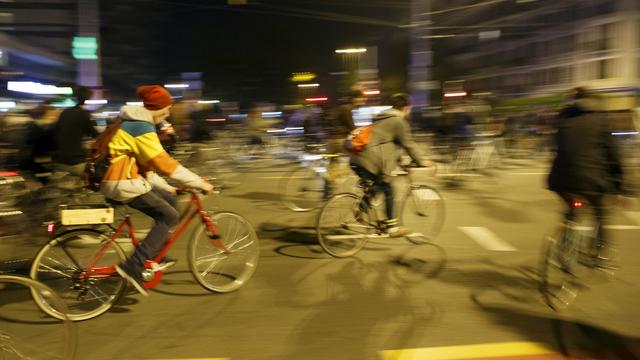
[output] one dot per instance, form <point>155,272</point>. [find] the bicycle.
<point>476,159</point>
<point>58,344</point>
<point>214,162</point>
<point>305,188</point>
<point>348,220</point>
<point>568,254</point>
<point>79,264</point>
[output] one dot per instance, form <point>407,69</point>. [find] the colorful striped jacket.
<point>137,157</point>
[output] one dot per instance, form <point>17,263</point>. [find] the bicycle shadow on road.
<point>573,339</point>
<point>260,198</point>
<point>180,283</point>
<point>16,295</point>
<point>362,307</point>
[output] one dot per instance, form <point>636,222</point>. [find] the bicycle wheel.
<point>302,190</point>
<point>563,262</point>
<point>217,270</point>
<point>61,264</point>
<point>225,173</point>
<point>24,334</point>
<point>423,212</point>
<point>341,227</point>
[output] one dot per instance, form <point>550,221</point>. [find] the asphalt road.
<point>472,293</point>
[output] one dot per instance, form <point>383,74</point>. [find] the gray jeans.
<point>160,205</point>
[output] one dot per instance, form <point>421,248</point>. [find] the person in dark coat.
<point>74,124</point>
<point>587,164</point>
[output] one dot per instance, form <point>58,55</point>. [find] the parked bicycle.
<point>23,334</point>
<point>348,220</point>
<point>80,264</point>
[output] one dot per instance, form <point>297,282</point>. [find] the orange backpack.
<point>358,139</point>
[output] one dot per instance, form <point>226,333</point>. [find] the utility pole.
<point>86,45</point>
<point>421,57</point>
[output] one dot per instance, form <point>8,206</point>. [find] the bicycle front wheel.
<point>62,265</point>
<point>19,338</point>
<point>342,227</point>
<point>219,270</point>
<point>423,213</point>
<point>302,190</point>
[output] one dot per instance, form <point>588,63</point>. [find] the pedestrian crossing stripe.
<point>493,351</point>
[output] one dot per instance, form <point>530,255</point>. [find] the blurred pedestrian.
<point>340,124</point>
<point>73,126</point>
<point>39,142</point>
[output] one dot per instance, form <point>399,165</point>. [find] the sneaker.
<point>394,230</point>
<point>133,276</point>
<point>398,231</point>
<point>165,263</point>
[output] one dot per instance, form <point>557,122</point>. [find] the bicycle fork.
<point>212,232</point>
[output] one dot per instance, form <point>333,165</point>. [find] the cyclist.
<point>587,163</point>
<point>379,158</point>
<point>135,153</point>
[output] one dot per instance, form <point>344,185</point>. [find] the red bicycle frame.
<point>193,208</point>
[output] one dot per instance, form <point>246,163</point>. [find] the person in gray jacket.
<point>379,158</point>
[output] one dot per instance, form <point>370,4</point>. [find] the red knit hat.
<point>154,97</point>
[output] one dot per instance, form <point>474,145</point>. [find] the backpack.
<point>98,161</point>
<point>358,139</point>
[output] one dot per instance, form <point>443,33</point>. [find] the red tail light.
<point>51,228</point>
<point>577,204</point>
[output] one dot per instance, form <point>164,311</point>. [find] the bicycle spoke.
<point>209,258</point>
<point>57,271</point>
<point>64,249</point>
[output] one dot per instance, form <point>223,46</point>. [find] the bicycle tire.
<point>561,267</point>
<point>302,190</point>
<point>424,213</point>
<point>333,226</point>
<point>70,333</point>
<point>70,287</point>
<point>227,276</point>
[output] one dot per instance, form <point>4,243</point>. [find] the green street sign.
<point>84,48</point>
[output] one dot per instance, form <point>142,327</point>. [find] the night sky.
<point>248,52</point>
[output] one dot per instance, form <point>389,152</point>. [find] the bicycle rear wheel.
<point>302,190</point>
<point>423,213</point>
<point>563,263</point>
<point>217,270</point>
<point>342,227</point>
<point>47,338</point>
<point>61,264</point>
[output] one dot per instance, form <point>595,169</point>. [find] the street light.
<point>351,51</point>
<point>176,86</point>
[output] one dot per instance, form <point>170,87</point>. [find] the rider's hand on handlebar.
<point>206,187</point>
<point>429,164</point>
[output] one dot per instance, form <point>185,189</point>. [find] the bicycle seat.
<point>115,202</point>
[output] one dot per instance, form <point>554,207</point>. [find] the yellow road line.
<point>465,352</point>
<point>196,359</point>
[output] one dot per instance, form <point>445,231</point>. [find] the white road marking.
<point>486,238</point>
<point>634,215</point>
<point>622,227</point>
